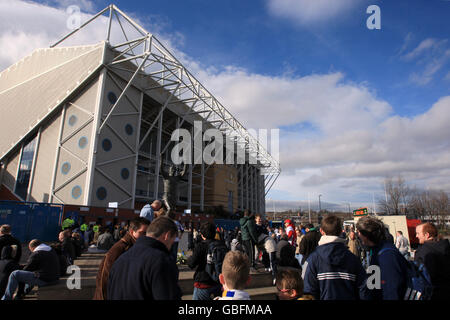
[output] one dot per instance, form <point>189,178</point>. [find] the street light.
<point>320,207</point>
<point>348,203</point>
<point>309,209</point>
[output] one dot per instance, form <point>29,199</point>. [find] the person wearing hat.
<point>290,231</point>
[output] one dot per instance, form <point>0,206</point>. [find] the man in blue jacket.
<point>332,272</point>
<point>383,253</point>
<point>148,211</point>
<point>147,271</point>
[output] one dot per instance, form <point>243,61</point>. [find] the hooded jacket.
<point>45,262</point>
<point>198,260</point>
<point>332,272</point>
<point>248,229</point>
<point>144,272</point>
<point>435,255</point>
<point>393,269</point>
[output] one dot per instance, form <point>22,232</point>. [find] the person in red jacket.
<point>290,231</point>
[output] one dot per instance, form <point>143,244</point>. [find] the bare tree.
<point>440,203</point>
<point>397,196</point>
<point>418,203</point>
<point>430,205</point>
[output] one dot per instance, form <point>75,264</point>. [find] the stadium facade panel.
<point>85,125</point>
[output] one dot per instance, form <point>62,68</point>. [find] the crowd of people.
<point>307,262</point>
<point>327,262</point>
<point>46,263</point>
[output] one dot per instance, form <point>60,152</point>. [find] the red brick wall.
<point>5,194</point>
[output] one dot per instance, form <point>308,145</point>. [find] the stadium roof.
<point>61,70</point>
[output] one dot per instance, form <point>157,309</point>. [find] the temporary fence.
<point>31,220</point>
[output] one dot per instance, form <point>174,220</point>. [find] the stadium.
<point>84,125</point>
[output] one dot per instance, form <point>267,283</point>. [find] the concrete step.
<point>88,263</point>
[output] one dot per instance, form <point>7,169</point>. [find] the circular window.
<point>129,129</point>
<point>125,173</point>
<point>76,192</point>
<point>65,168</point>
<point>112,98</point>
<point>72,120</point>
<point>106,144</point>
<point>101,193</point>
<point>82,143</point>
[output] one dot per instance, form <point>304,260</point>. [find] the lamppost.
<point>320,207</point>
<point>309,209</point>
<point>348,203</point>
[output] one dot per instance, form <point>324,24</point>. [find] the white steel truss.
<point>151,59</point>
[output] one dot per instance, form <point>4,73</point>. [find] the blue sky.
<point>233,32</point>
<point>354,105</point>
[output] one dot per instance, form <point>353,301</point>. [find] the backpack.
<point>418,280</point>
<point>214,259</point>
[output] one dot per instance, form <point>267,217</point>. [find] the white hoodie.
<point>42,247</point>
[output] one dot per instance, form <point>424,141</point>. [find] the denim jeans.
<point>207,294</point>
<point>21,277</point>
<point>299,257</point>
<point>249,251</point>
<point>273,264</point>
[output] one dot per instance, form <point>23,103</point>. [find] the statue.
<point>171,180</point>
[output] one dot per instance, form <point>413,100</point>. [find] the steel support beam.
<point>158,153</point>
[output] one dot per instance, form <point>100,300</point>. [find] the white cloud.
<point>26,26</point>
<point>325,100</point>
<point>307,11</point>
<point>447,76</point>
<point>423,46</point>
<point>431,55</point>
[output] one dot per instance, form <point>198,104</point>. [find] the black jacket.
<point>435,255</point>
<point>45,262</point>
<point>145,272</point>
<point>68,249</point>
<point>280,245</point>
<point>287,256</point>
<point>309,243</point>
<point>8,240</point>
<point>7,265</point>
<point>77,246</point>
<point>198,260</point>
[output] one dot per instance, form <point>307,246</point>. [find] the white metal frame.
<point>150,58</point>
